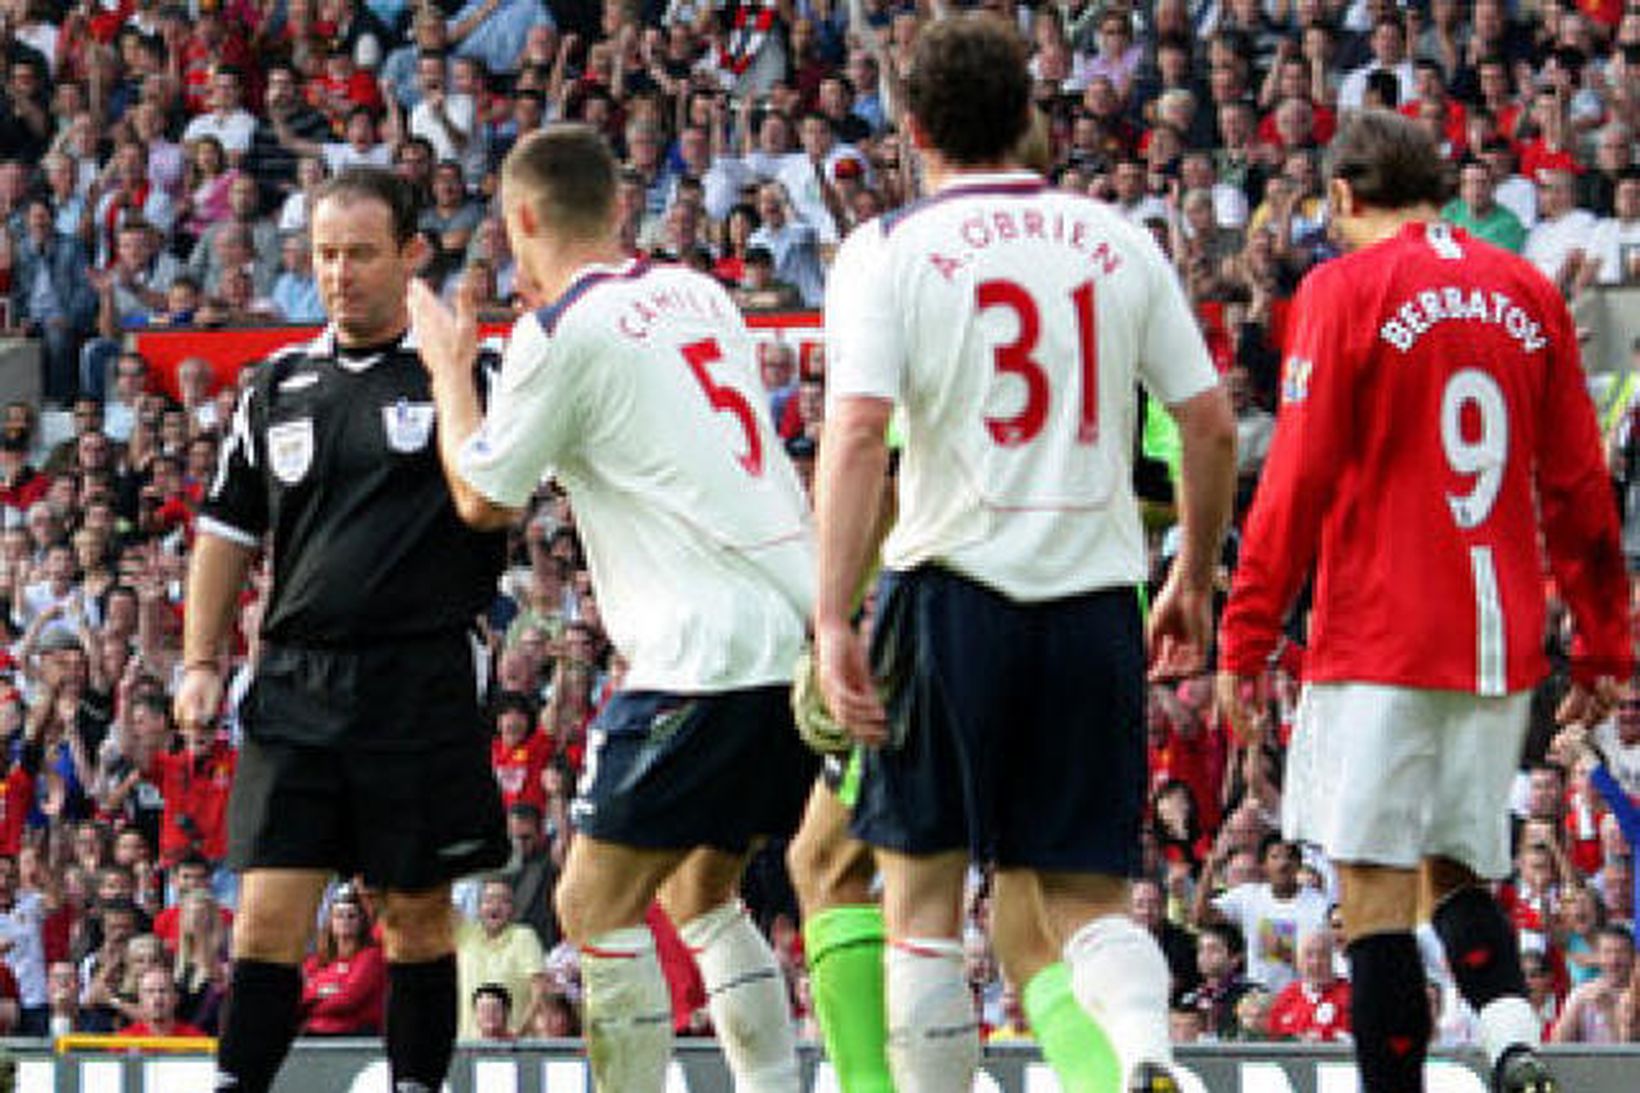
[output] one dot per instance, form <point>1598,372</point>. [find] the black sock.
<point>1389,1012</point>
<point>258,1024</point>
<point>421,1021</point>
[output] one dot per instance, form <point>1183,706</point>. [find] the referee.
<point>365,752</point>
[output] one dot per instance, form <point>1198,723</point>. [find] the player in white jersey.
<point>637,388</point>
<point>1011,323</point>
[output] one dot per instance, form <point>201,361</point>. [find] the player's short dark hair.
<point>360,183</point>
<point>1389,161</point>
<point>567,173</point>
<point>969,88</point>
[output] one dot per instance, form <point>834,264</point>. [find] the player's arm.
<point>1182,618</point>
<point>1580,530</point>
<point>865,356</point>
<point>448,344</point>
<point>848,491</point>
<point>1283,533</point>
<point>1176,369</point>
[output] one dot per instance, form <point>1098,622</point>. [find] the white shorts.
<point>1382,775</point>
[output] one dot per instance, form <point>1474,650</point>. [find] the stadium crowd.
<point>155,165</point>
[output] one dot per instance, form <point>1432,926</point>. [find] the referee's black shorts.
<point>372,762</point>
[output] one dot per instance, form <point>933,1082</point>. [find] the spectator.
<point>295,292</point>
<point>1147,905</point>
<point>520,752</point>
<point>1221,984</point>
<point>1316,1005</point>
<point>269,162</point>
<point>1590,1016</point>
<point>1558,244</point>
<point>1388,55</point>
<point>1614,243</point>
<point>496,949</point>
<point>21,917</point>
<point>65,1015</point>
<point>157,1001</point>
<point>1477,211</point>
<point>793,244</point>
<point>208,179</point>
<point>534,868</point>
<point>52,297</point>
<point>492,1012</point>
<point>344,983</point>
<point>448,120</point>
<point>1271,913</point>
<point>206,259</point>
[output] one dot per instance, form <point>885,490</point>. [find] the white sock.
<point>746,993</point>
<point>1508,1021</point>
<point>933,1030</point>
<point>1119,975</point>
<point>628,1012</point>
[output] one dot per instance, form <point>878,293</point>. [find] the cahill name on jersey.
<point>1011,321</point>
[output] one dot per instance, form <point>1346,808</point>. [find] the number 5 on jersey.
<point>700,356</point>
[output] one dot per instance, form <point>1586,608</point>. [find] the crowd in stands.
<point>156,165</point>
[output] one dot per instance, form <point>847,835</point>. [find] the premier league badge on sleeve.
<point>290,449</point>
<point>409,425</point>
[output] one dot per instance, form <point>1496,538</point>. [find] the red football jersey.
<point>1434,416</point>
<point>518,769</point>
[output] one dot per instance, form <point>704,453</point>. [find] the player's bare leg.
<point>745,989</point>
<point>419,942</point>
<point>1117,972</point>
<point>933,1033</point>
<point>1389,1011</point>
<point>1485,959</point>
<point>1072,1041</point>
<point>843,942</point>
<point>277,908</point>
<point>601,900</point>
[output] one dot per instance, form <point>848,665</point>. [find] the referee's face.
<point>361,270</point>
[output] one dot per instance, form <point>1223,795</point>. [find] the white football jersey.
<point>1010,321</point>
<point>639,390</point>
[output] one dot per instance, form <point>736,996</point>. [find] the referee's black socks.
<point>258,1024</point>
<point>421,1023</point>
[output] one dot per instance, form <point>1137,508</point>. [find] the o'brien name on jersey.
<point>1008,226</point>
<point>1422,311</point>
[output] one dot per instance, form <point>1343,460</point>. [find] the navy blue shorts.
<point>1020,726</point>
<point>669,771</point>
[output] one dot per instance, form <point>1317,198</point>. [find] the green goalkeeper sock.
<point>1072,1042</point>
<point>845,953</point>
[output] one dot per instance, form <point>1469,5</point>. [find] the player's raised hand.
<point>447,340</point>
<point>1589,704</point>
<point>1179,629</point>
<point>847,686</point>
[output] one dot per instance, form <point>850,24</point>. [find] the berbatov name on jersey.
<point>1424,310</point>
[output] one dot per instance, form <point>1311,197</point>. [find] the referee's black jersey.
<point>336,455</point>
